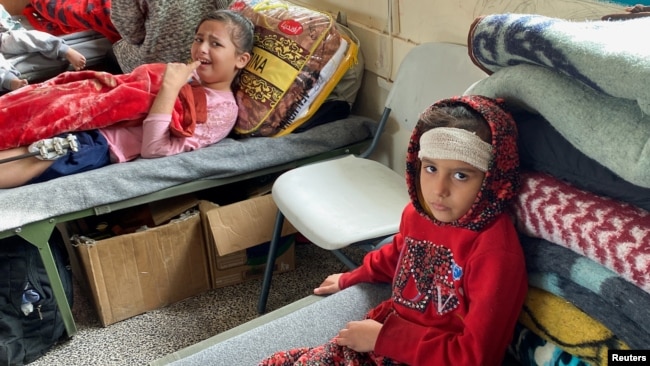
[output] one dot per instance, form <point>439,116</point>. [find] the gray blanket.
<point>612,131</point>
<point>117,182</point>
<point>307,327</point>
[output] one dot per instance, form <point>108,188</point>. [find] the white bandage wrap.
<point>455,144</point>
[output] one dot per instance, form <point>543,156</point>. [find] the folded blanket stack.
<point>608,298</point>
<point>578,91</point>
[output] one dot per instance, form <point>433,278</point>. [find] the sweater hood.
<point>501,182</point>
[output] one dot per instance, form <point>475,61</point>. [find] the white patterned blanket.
<point>588,79</point>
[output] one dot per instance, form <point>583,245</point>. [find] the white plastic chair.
<point>356,200</point>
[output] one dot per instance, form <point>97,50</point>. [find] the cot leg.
<point>270,262</point>
<point>38,234</point>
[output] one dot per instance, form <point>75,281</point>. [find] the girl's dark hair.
<point>457,116</point>
<point>240,28</point>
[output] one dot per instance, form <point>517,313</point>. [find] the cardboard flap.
<point>165,210</point>
<point>244,224</point>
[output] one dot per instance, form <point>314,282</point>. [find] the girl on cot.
<point>456,265</point>
<point>222,46</point>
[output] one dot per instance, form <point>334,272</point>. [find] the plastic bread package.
<point>298,57</point>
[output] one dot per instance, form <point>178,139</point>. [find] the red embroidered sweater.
<point>456,296</point>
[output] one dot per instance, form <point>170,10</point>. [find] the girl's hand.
<point>360,336</point>
<point>329,286</point>
<point>177,74</point>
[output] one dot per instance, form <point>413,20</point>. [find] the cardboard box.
<point>165,210</point>
<point>255,266</point>
<point>131,274</point>
<point>134,273</point>
<point>232,232</point>
<point>241,225</point>
<point>231,260</point>
<point>110,223</point>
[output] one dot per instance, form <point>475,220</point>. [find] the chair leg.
<point>345,259</point>
<point>270,262</point>
<point>368,246</point>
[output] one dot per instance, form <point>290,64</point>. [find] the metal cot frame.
<point>38,233</point>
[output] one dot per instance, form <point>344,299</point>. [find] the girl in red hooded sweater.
<point>456,266</point>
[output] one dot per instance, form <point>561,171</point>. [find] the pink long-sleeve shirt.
<point>153,138</point>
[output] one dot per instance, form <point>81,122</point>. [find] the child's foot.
<point>17,83</point>
<point>76,59</point>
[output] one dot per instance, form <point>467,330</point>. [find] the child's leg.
<point>23,41</point>
<point>328,354</point>
<point>19,172</point>
<point>17,83</point>
<point>92,153</point>
<point>17,42</point>
<point>9,79</point>
<point>9,76</point>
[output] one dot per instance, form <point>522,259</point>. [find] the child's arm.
<point>176,75</point>
<point>156,139</point>
<point>378,265</point>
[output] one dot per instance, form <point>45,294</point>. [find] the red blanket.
<point>84,100</point>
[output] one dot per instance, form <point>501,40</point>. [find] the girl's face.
<point>449,187</point>
<point>218,55</point>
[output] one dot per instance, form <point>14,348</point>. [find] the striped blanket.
<point>611,233</point>
<point>604,295</point>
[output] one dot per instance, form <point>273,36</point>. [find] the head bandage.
<point>455,144</point>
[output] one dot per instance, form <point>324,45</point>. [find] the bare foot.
<point>76,59</point>
<point>17,83</point>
